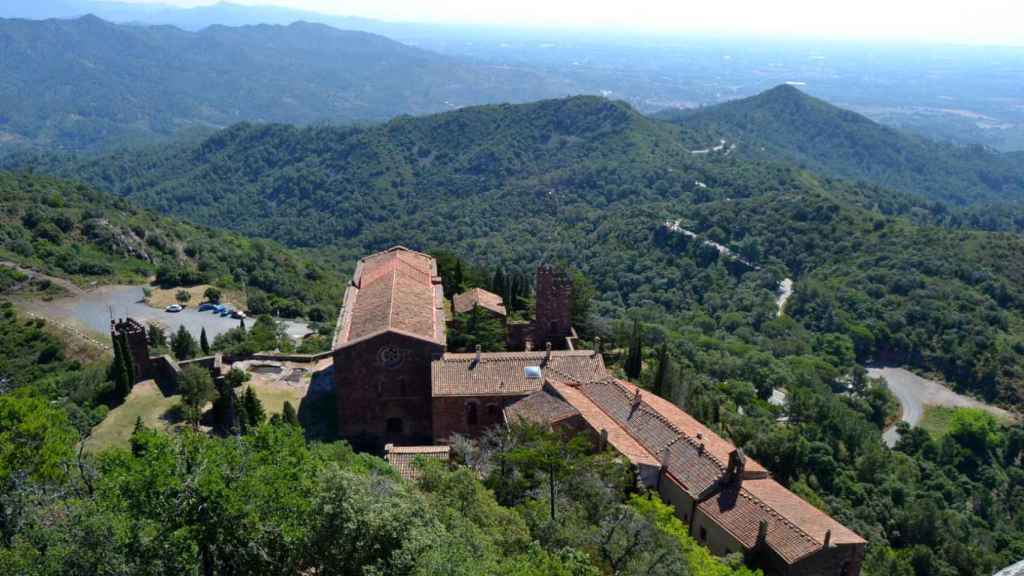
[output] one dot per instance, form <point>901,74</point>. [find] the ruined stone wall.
<point>134,335</point>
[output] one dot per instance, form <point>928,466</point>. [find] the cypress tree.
<point>634,360</point>
<point>498,284</point>
<point>120,369</point>
<point>663,377</point>
<point>203,342</point>
<point>289,415</point>
<point>254,413</point>
<point>129,366</point>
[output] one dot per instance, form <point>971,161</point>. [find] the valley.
<point>494,330</point>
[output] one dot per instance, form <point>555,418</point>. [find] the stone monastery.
<point>400,392</point>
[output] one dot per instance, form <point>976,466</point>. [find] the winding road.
<point>916,393</point>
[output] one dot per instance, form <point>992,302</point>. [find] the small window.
<point>472,418</point>
<point>394,426</point>
<point>703,534</point>
<point>492,411</point>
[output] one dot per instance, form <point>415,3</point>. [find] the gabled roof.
<point>599,420</point>
<point>396,290</point>
<point>402,457</point>
<point>463,303</point>
<point>503,373</point>
<point>648,429</point>
<point>795,528</point>
<point>715,446</point>
<point>541,407</point>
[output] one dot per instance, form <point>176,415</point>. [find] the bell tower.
<point>553,321</point>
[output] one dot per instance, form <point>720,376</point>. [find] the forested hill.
<point>786,124</point>
<point>87,83</point>
<point>69,230</point>
<point>592,182</point>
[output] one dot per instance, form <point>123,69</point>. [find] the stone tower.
<point>134,335</point>
<point>553,322</point>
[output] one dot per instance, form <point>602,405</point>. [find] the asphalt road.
<point>916,393</point>
<point>92,311</point>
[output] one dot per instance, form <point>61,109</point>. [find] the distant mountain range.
<point>786,124</point>
<point>87,83</point>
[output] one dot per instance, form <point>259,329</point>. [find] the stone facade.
<point>468,415</point>
<point>383,390</point>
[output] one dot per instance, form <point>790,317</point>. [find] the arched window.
<point>472,418</point>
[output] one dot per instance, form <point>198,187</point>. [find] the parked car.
<point>219,309</point>
<point>226,312</point>
<point>238,315</point>
<point>174,308</point>
<point>207,306</point>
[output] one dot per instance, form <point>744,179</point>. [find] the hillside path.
<point>64,283</point>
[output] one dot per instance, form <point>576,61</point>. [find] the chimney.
<point>828,539</point>
<point>597,345</point>
<point>637,398</point>
<point>547,352</point>
<point>664,458</point>
<point>604,439</point>
<point>762,533</point>
<point>476,359</point>
<point>528,345</point>
<point>736,467</point>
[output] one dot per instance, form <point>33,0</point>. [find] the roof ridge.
<point>775,513</point>
<point>661,417</point>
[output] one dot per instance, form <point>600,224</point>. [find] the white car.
<point>174,308</point>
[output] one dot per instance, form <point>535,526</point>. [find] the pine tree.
<point>634,360</point>
<point>183,344</point>
<point>289,416</point>
<point>254,413</point>
<point>203,342</point>
<point>225,410</point>
<point>663,377</point>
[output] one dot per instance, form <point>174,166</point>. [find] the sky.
<point>942,21</point>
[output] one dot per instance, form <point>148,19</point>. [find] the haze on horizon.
<point>983,22</point>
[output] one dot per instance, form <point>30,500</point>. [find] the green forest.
<point>591,182</point>
<point>70,230</point>
<point>785,124</point>
<point>879,276</point>
<point>90,84</point>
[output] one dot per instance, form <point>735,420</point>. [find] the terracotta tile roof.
<point>715,446</point>
<point>690,468</point>
<point>502,373</point>
<point>403,457</point>
<point>811,520</point>
<point>395,290</point>
<point>541,407</point>
<point>648,428</point>
<point>465,302</point>
<point>795,528</point>
<point>599,420</point>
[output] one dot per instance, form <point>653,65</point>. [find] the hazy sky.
<point>973,21</point>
